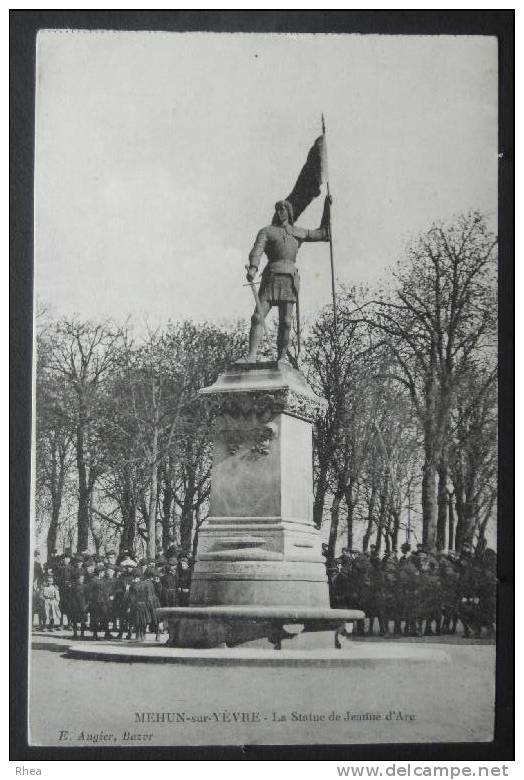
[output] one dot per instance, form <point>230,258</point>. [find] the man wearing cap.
<point>280,282</point>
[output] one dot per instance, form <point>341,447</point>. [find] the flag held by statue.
<point>310,179</point>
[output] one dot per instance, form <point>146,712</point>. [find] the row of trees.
<point>407,445</point>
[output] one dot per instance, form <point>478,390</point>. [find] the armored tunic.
<point>280,278</point>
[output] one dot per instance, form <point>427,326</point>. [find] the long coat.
<point>78,603</point>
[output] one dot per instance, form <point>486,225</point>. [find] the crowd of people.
<point>417,593</point>
<point>414,594</point>
<point>108,595</point>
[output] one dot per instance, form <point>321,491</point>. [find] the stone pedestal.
<point>259,545</point>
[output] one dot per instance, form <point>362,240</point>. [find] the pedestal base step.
<point>358,654</point>
<point>216,626</point>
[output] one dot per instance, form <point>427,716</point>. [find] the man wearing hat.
<point>280,282</point>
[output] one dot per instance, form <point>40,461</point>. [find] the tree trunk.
<point>52,533</point>
<point>198,523</point>
<point>320,496</point>
<point>382,512</point>
<point>451,522</point>
<point>151,524</point>
<point>442,502</point>
<point>167,503</point>
<point>83,489</point>
<point>333,528</point>
<point>484,522</point>
<point>371,509</point>
<point>458,483</point>
<point>56,503</point>
<point>429,507</point>
<point>431,458</point>
<point>127,538</point>
<point>97,538</point>
<point>396,528</point>
<point>378,538</point>
<point>350,503</point>
<point>468,526</point>
<point>186,520</point>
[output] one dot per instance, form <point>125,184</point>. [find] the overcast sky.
<point>159,156</point>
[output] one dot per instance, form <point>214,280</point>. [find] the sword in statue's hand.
<point>257,300</point>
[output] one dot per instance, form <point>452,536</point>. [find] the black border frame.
<point>24,26</point>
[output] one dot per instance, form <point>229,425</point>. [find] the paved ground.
<point>96,702</point>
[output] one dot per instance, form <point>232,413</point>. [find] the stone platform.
<point>356,654</point>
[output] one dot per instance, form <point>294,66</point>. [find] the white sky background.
<point>160,155</point>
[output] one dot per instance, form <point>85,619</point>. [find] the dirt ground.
<point>82,703</point>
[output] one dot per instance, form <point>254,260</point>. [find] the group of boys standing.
<point>418,592</point>
<point>109,594</point>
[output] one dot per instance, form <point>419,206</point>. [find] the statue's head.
<point>283,213</point>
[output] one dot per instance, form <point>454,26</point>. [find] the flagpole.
<point>333,291</point>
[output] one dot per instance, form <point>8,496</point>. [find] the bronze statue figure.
<point>280,281</point>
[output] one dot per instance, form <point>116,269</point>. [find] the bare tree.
<point>474,454</point>
<point>440,314</point>
<point>82,355</point>
<point>54,436</point>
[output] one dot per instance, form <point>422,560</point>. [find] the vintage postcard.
<point>264,499</point>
